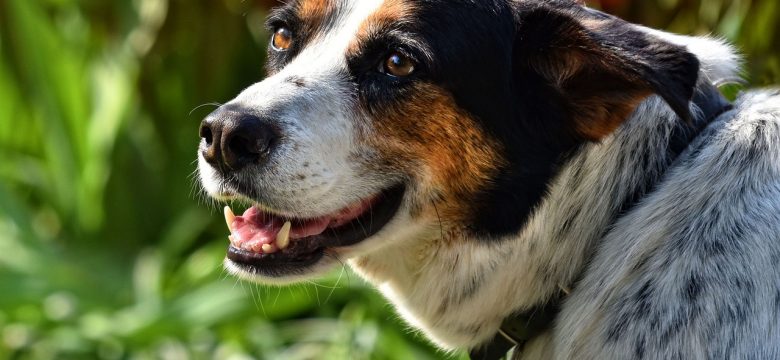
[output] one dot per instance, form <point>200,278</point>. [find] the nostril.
<point>205,134</point>
<point>249,147</point>
<point>251,140</point>
<point>242,147</point>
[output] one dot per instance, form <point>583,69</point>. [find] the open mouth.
<point>274,245</point>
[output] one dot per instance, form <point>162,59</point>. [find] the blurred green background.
<point>108,251</point>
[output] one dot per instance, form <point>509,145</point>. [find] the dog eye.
<point>282,39</point>
<point>398,65</point>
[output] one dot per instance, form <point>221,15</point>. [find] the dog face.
<point>383,122</point>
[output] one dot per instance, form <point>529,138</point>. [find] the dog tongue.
<point>262,232</point>
<point>258,231</point>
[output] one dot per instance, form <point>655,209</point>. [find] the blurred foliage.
<point>752,25</point>
<point>105,251</point>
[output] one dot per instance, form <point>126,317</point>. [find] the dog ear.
<point>602,67</point>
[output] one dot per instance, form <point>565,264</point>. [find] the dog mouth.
<point>267,243</point>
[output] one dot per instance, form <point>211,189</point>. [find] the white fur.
<point>310,174</point>
<point>728,67</point>
<point>726,178</point>
<point>417,275</point>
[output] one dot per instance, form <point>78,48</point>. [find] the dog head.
<point>385,121</point>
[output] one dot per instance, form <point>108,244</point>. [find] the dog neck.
<point>459,290</point>
<point>520,328</point>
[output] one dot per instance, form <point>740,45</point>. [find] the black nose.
<point>235,139</point>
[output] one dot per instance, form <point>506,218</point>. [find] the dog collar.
<point>518,329</point>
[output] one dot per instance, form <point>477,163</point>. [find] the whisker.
<point>316,286</point>
<point>333,289</point>
<point>308,294</point>
<point>259,298</point>
<point>278,294</point>
<point>344,268</point>
<point>202,105</point>
<point>441,227</point>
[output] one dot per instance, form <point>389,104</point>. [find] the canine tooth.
<point>232,239</point>
<point>269,249</point>
<point>283,238</point>
<point>229,216</point>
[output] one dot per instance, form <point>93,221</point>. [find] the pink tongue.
<point>254,228</point>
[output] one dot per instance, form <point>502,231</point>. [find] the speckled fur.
<point>691,272</point>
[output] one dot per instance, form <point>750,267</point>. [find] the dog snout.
<point>235,139</point>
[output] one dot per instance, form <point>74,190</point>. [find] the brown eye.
<point>398,65</point>
<point>282,39</point>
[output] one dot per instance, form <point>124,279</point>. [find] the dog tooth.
<point>283,238</point>
<point>229,216</point>
<point>269,249</point>
<point>232,239</point>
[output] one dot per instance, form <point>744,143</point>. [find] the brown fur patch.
<point>314,13</point>
<point>392,12</point>
<point>600,94</point>
<point>444,150</point>
<point>314,9</point>
<point>602,67</point>
<point>602,101</point>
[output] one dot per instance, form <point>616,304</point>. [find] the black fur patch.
<point>693,288</point>
<point>777,300</point>
<point>640,347</point>
<point>525,112</point>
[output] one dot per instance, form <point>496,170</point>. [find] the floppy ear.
<point>602,67</point>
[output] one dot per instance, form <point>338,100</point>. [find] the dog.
<point>511,173</point>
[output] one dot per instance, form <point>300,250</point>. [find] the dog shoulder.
<point>696,259</point>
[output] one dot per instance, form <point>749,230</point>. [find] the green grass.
<point>105,250</point>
